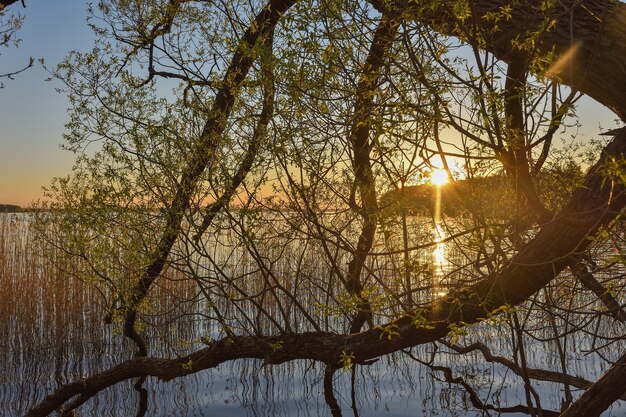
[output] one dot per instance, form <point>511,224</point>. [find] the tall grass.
<point>52,331</point>
<point>38,303</point>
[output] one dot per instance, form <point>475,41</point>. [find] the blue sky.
<point>33,114</point>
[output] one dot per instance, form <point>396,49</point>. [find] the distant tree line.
<point>10,208</point>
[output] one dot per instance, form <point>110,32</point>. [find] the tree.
<point>330,104</point>
<point>6,3</point>
<point>8,29</point>
<point>591,34</point>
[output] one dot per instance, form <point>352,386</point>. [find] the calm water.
<point>52,332</point>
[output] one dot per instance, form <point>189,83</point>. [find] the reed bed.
<point>53,331</point>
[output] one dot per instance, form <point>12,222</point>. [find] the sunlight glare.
<point>563,62</point>
<point>439,254</point>
<point>439,177</point>
<point>439,260</point>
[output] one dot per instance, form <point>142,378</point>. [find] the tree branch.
<point>588,39</point>
<point>598,201</point>
<point>582,273</point>
<point>601,394</point>
<point>260,133</point>
<point>475,399</point>
<point>366,91</point>
<point>201,155</point>
<point>6,3</point>
<point>533,373</point>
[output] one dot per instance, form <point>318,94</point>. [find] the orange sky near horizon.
<point>33,114</point>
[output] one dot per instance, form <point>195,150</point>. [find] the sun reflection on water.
<point>439,259</point>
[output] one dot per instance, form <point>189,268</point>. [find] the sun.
<point>439,177</point>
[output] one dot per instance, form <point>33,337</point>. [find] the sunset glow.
<point>439,177</point>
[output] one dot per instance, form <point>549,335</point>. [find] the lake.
<point>52,332</point>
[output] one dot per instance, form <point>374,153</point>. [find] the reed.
<point>52,327</point>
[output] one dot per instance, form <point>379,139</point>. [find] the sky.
<point>33,114</point>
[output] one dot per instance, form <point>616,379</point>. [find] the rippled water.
<point>52,332</point>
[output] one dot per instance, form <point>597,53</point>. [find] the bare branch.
<point>535,265</point>
<point>537,374</point>
<point>582,273</point>
<point>202,155</point>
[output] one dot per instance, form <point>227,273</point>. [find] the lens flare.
<point>439,177</point>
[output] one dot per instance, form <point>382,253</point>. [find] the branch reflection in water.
<point>51,332</point>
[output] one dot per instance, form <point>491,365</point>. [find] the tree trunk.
<point>592,206</point>
<point>366,91</point>
<point>601,394</point>
<point>5,3</point>
<point>587,39</point>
